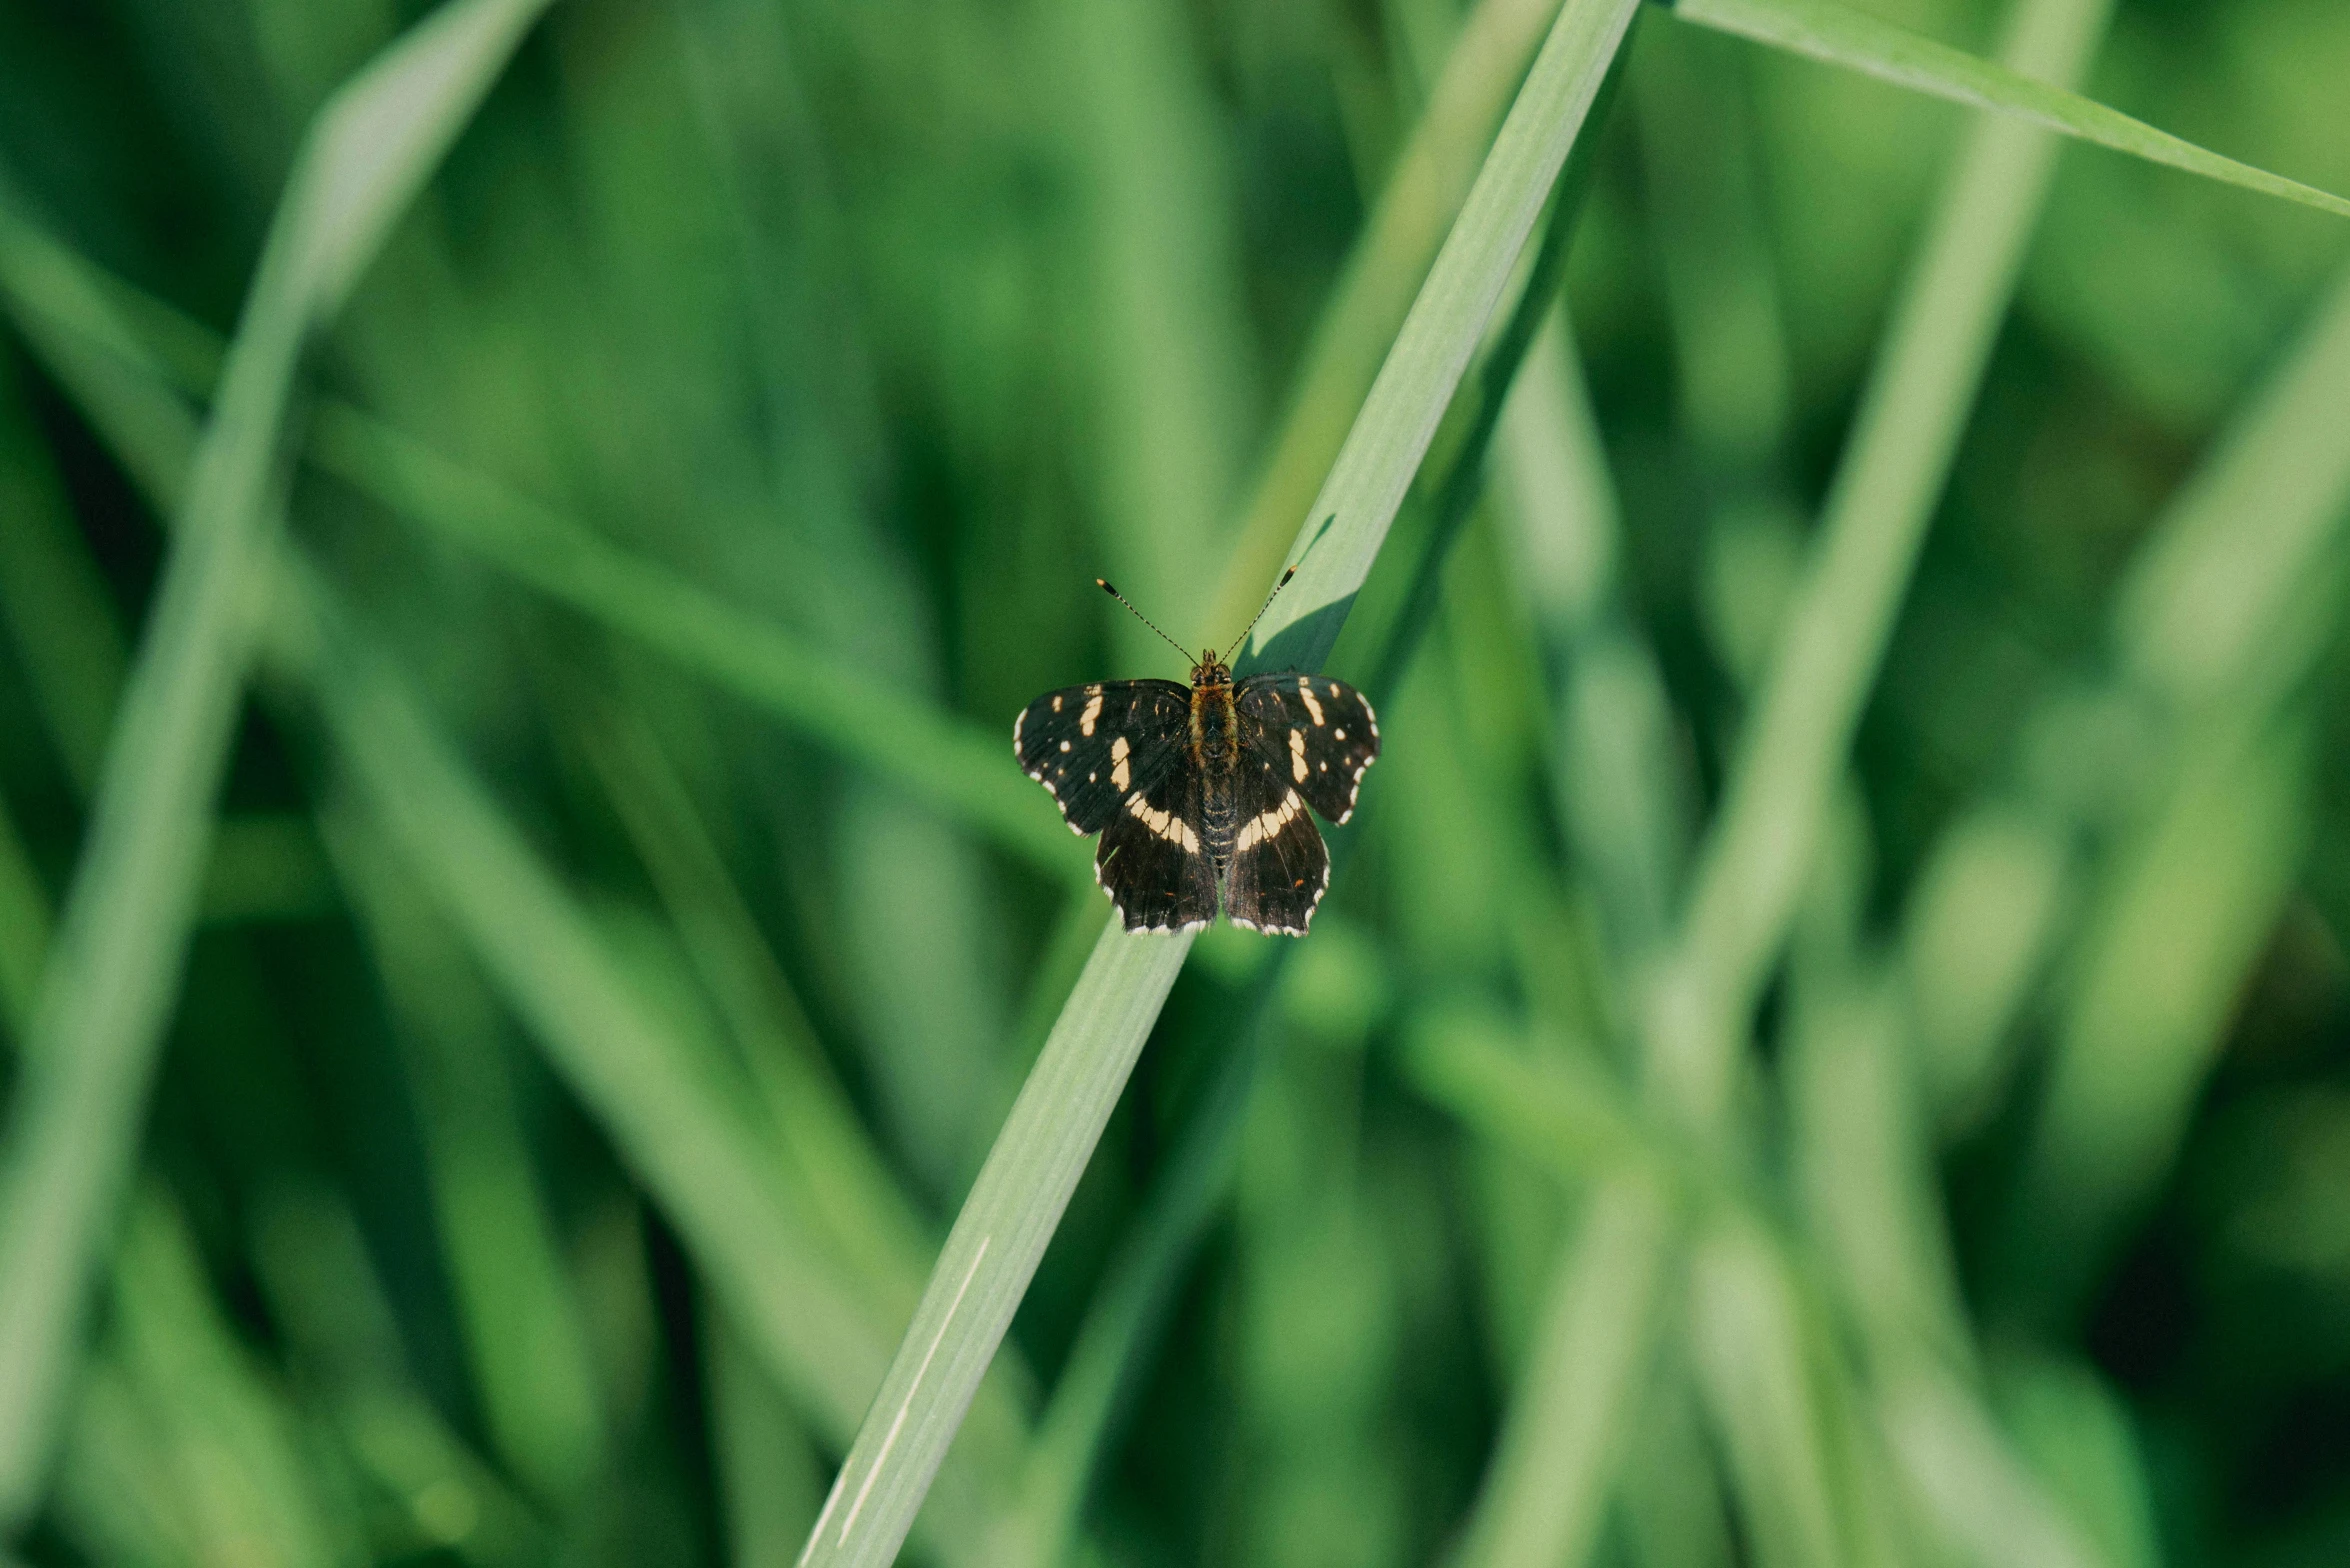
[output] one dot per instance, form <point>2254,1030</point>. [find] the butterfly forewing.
<point>1151,860</point>
<point>1314,733</point>
<point>1092,746</point>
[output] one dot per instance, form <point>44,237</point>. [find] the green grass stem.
<point>678,1124</point>
<point>123,932</point>
<point>1862,43</point>
<point>954,765</point>
<point>151,430</point>
<point>1758,850</point>
<point>1417,204</point>
<point>1026,1182</point>
<point>2212,616</point>
<point>527,1344</point>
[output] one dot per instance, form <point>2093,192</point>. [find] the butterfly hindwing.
<point>1316,734</point>
<point>1092,746</point>
<point>1279,867</point>
<point>1151,860</point>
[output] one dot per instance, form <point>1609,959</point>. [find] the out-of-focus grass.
<point>1019,1194</point>
<point>624,929</point>
<point>123,931</point>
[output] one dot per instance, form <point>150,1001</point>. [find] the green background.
<point>887,327</point>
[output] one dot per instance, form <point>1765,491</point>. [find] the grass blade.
<point>501,1251</point>
<point>948,762</point>
<point>1546,1488</point>
<point>2181,924</point>
<point>2204,622</point>
<point>123,933</point>
<point>1431,179</point>
<point>1757,853</point>
<point>1752,1359</point>
<point>678,1130</point>
<point>1862,43</point>
<point>1021,1191</point>
<point>150,430</point>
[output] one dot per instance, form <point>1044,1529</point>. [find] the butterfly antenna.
<point>1240,640</point>
<point>1138,615</point>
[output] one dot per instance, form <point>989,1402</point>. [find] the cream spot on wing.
<point>1064,745</point>
<point>1338,734</point>
<point>1056,703</point>
<point>1259,828</point>
<point>1305,689</point>
<point>1164,823</point>
<point>1093,711</point>
<point>1297,755</point>
<point>1118,750</point>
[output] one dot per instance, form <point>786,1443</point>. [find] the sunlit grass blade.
<point>1021,1191</point>
<point>123,932</point>
<point>2207,603</point>
<point>1614,793</point>
<point>1863,43</point>
<point>1863,1174</point>
<point>1968,1480</point>
<point>1128,1308</point>
<point>768,1472</point>
<point>234,1467</point>
<point>1424,191</point>
<point>1752,1358</point>
<point>334,1320</point>
<point>2076,1432</point>
<point>1614,786</point>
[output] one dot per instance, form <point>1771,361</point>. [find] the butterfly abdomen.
<point>1215,750</point>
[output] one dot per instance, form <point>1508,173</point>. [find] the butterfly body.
<point>1200,792</point>
<point>1215,751</point>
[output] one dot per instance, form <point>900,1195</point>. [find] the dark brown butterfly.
<point>1201,788</point>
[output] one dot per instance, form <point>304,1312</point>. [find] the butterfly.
<point>1202,790</point>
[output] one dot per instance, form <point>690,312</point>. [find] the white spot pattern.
<point>1093,711</point>
<point>1165,824</point>
<point>1119,747</point>
<point>1297,755</point>
<point>1305,689</point>
<point>1259,828</point>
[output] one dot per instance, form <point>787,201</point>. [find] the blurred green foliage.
<point>625,930</point>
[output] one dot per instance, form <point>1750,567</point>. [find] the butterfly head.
<point>1210,671</point>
